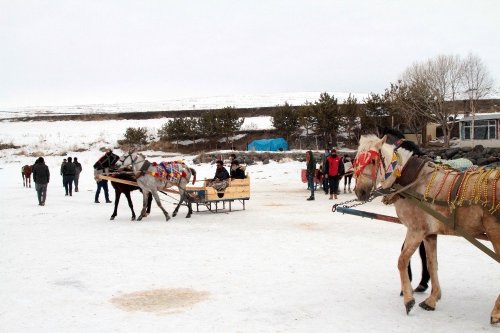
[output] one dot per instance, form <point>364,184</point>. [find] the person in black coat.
<point>221,177</point>
<point>41,176</point>
<point>236,171</point>
<point>221,172</point>
<point>68,172</point>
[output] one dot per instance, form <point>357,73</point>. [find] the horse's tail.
<point>193,172</point>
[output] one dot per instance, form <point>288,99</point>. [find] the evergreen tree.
<point>307,118</point>
<point>228,122</point>
<point>328,117</point>
<point>350,113</point>
<point>374,114</point>
<point>286,120</point>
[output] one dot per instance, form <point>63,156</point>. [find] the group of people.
<point>221,178</point>
<point>332,168</point>
<point>70,172</point>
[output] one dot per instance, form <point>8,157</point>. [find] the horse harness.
<point>409,176</point>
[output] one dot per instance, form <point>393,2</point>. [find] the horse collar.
<point>145,166</point>
<point>411,170</point>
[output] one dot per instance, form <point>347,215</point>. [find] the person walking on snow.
<point>41,177</point>
<point>69,171</point>
<point>78,169</point>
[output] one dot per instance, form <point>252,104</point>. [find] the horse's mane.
<point>394,135</point>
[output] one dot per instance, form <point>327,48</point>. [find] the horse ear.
<point>380,143</point>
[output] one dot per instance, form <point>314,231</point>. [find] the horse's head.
<point>129,159</point>
<point>368,165</point>
<point>378,162</point>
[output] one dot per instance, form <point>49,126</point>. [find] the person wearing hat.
<point>41,176</point>
<point>334,170</point>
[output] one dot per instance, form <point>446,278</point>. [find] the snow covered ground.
<point>282,265</point>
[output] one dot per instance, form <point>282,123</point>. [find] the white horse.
<point>149,183</point>
<point>472,197</point>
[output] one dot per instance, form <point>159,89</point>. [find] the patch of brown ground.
<point>309,226</point>
<point>160,301</point>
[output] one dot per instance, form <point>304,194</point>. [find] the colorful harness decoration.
<point>464,188</point>
<point>169,171</point>
<point>394,168</point>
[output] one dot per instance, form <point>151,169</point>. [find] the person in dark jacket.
<point>62,165</point>
<point>78,168</point>
<point>324,156</point>
<point>310,172</point>
<point>236,171</point>
<point>69,171</point>
<point>41,176</point>
<point>220,180</point>
<point>102,166</point>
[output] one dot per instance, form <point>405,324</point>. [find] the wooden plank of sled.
<point>117,180</point>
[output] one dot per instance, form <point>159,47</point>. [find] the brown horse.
<point>26,173</point>
<point>474,201</point>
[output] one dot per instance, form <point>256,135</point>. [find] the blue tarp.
<point>268,145</point>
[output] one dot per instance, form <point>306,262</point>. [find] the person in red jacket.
<point>334,169</point>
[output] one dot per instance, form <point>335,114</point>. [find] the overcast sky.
<point>64,52</point>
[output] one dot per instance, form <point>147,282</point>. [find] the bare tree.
<point>408,103</point>
<point>440,80</point>
<point>476,80</point>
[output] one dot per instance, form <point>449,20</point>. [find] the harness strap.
<point>145,166</point>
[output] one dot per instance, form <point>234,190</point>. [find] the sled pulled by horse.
<point>156,177</point>
<point>206,195</point>
<point>430,199</point>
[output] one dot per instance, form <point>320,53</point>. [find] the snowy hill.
<point>194,103</point>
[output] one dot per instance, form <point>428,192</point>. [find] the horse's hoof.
<point>133,218</point>
<point>426,306</point>
<point>494,321</point>
<point>188,217</point>
<point>139,218</point>
<point>112,218</point>
<point>409,306</point>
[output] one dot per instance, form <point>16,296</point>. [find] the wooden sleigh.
<point>237,190</point>
<point>205,196</point>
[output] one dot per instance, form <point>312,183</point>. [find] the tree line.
<point>425,92</point>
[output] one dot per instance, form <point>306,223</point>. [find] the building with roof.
<point>480,129</point>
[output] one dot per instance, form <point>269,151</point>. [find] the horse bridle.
<point>132,159</point>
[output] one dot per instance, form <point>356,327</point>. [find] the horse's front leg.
<point>495,314</point>
<point>158,202</point>
<point>144,213</point>
<point>430,243</point>
<point>411,244</point>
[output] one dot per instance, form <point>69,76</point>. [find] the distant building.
<point>480,129</point>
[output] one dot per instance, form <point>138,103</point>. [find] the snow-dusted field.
<point>282,265</point>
